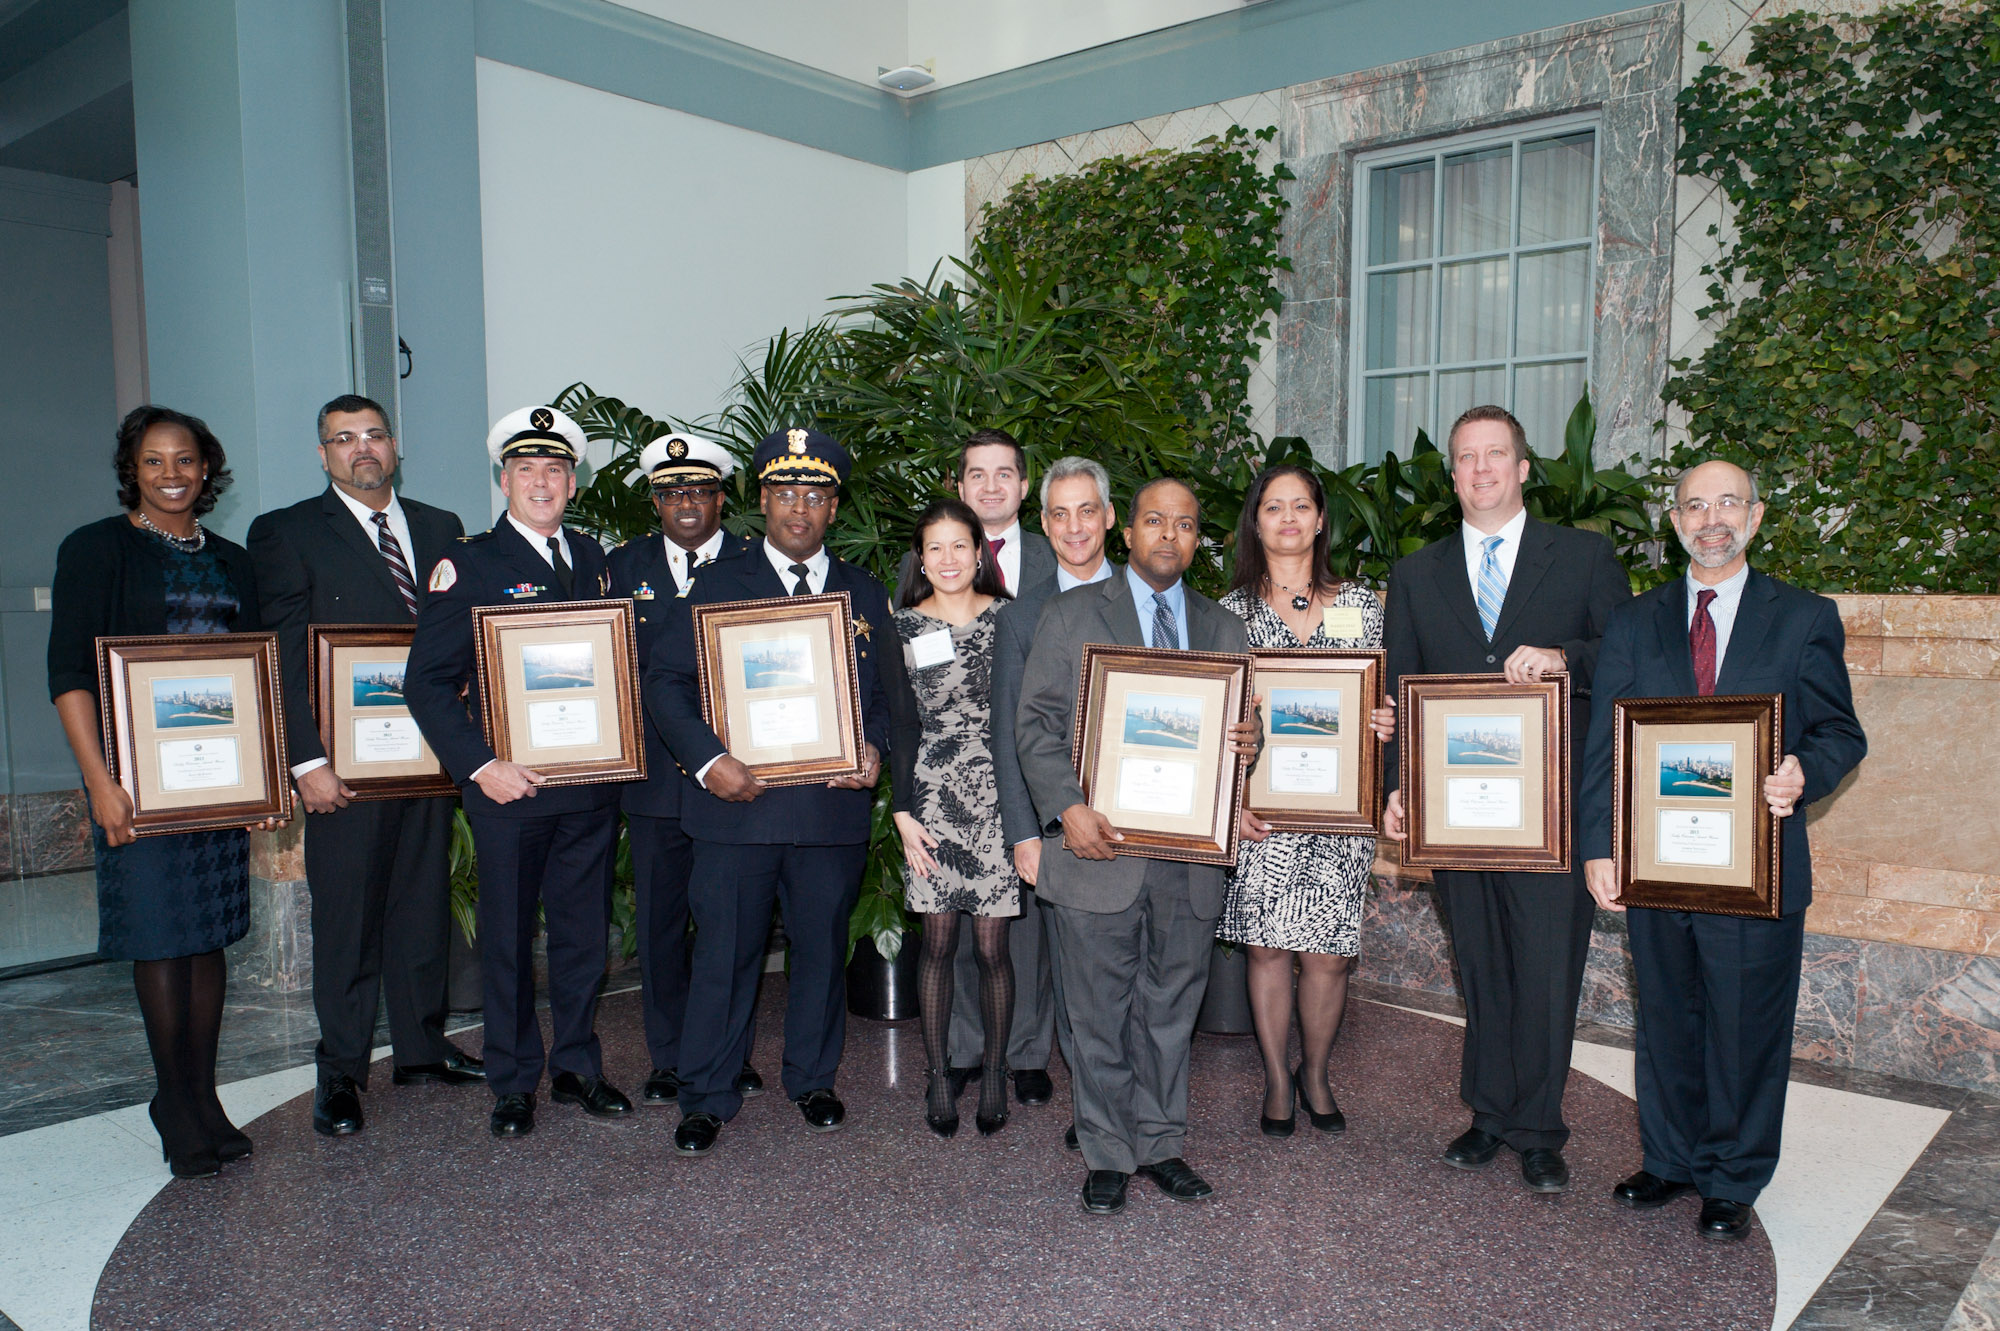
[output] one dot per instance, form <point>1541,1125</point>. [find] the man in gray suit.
<point>1133,934</point>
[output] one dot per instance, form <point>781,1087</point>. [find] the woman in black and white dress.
<point>1294,894</point>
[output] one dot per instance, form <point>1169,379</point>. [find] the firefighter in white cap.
<point>685,474</point>
<point>548,846</point>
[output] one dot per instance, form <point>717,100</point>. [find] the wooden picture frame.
<point>194,729</point>
<point>1321,768</point>
<point>1686,832</point>
<point>559,689</point>
<point>779,686</point>
<point>1485,768</point>
<point>354,679</point>
<point>1163,773</point>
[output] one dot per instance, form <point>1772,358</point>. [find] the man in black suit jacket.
<point>549,846</point>
<point>379,870</point>
<point>685,474</point>
<point>803,847</point>
<point>1717,994</point>
<point>1511,595</point>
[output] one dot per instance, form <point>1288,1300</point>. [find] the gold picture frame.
<point>354,679</point>
<point>559,689</point>
<point>779,686</point>
<point>1321,768</point>
<point>1485,772</point>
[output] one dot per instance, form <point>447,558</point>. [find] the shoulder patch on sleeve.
<point>444,576</point>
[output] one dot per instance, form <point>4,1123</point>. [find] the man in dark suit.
<point>1509,595</point>
<point>802,847</point>
<point>1077,515</point>
<point>1133,934</point>
<point>685,474</point>
<point>1717,994</point>
<point>549,846</point>
<point>379,870</point>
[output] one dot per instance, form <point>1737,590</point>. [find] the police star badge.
<point>863,629</point>
<point>795,440</point>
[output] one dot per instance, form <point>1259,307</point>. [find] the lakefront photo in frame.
<point>559,689</point>
<point>1321,768</point>
<point>779,687</point>
<point>354,677</point>
<point>1485,772</point>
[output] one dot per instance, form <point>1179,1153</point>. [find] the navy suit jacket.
<point>490,569</point>
<point>639,569</point>
<point>808,815</point>
<point>1786,641</point>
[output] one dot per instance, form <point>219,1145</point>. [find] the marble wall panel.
<point>1948,928</point>
<point>7,836</point>
<point>279,856</point>
<point>1314,222</point>
<point>1829,1000</point>
<point>1608,986</point>
<point>1930,1015</point>
<point>1311,381</point>
<point>51,831</point>
<point>1403,940</point>
<point>277,952</point>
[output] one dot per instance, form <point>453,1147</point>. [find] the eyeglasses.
<point>810,499</point>
<point>1694,508</point>
<point>347,438</point>
<point>691,494</point>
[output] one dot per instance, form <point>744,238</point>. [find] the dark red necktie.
<point>1701,641</point>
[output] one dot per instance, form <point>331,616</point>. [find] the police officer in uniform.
<point>804,846</point>
<point>685,474</point>
<point>549,846</point>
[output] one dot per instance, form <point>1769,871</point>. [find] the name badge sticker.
<point>933,648</point>
<point>1343,621</point>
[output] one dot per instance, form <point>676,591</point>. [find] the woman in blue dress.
<point>168,904</point>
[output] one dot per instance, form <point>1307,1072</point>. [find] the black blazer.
<point>110,582</point>
<point>810,815</point>
<point>496,567</point>
<point>1785,640</point>
<point>639,569</point>
<point>1566,583</point>
<point>316,565</point>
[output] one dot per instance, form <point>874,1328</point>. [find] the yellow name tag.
<point>1344,621</point>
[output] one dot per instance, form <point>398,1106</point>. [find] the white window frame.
<point>1365,165</point>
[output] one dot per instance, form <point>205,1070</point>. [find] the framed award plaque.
<point>1321,768</point>
<point>559,687</point>
<point>354,676</point>
<point>194,729</point>
<point>1690,828</point>
<point>1485,772</point>
<point>778,685</point>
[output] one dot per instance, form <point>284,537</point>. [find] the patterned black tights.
<point>996,1004</point>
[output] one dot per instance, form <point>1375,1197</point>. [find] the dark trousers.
<point>1521,940</point>
<point>380,876</point>
<point>1034,1000</point>
<point>730,895</point>
<point>562,861</point>
<point>1133,982</point>
<point>1716,1000</point>
<point>662,859</point>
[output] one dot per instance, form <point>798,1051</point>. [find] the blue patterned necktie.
<point>1492,587</point>
<point>1165,632</point>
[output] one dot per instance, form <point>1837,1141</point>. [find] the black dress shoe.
<point>1545,1169</point>
<point>1104,1191</point>
<point>822,1110</point>
<point>1177,1179</point>
<point>1472,1149</point>
<point>1333,1121</point>
<point>964,1077</point>
<point>457,1069</point>
<point>1723,1220</point>
<point>748,1083</point>
<point>1645,1192</point>
<point>336,1106</point>
<point>662,1087</point>
<point>1033,1087</point>
<point>1069,1138</point>
<point>594,1095</point>
<point>513,1115</point>
<point>696,1134</point>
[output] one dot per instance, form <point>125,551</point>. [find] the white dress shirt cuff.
<point>300,769</point>
<point>701,777</point>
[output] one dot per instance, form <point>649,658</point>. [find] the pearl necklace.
<point>187,545</point>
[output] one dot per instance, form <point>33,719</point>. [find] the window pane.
<point>1398,406</point>
<point>1555,188</point>
<point>1555,303</point>
<point>1544,396</point>
<point>1399,205</point>
<point>1460,389</point>
<point>1399,319</point>
<point>1472,322</point>
<point>1478,199</point>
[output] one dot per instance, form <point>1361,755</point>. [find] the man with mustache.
<point>1717,994</point>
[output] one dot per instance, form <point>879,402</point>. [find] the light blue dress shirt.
<point>1142,602</point>
<point>1066,581</point>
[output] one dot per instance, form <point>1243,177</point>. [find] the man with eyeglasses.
<point>1716,994</point>
<point>685,474</point>
<point>378,870</point>
<point>802,847</point>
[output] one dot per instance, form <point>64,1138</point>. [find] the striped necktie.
<point>399,568</point>
<point>1166,633</point>
<point>1492,587</point>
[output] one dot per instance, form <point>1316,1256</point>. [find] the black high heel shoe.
<point>233,1145</point>
<point>990,1124</point>
<point>1281,1127</point>
<point>943,1126</point>
<point>1331,1121</point>
<point>193,1162</point>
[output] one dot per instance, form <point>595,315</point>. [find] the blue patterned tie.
<point>1492,587</point>
<point>1165,633</point>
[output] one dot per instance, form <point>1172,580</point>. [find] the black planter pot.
<point>883,990</point>
<point>464,991</point>
<point>1225,1009</point>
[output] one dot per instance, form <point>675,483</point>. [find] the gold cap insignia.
<point>795,440</point>
<point>677,448</point>
<point>542,418</point>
